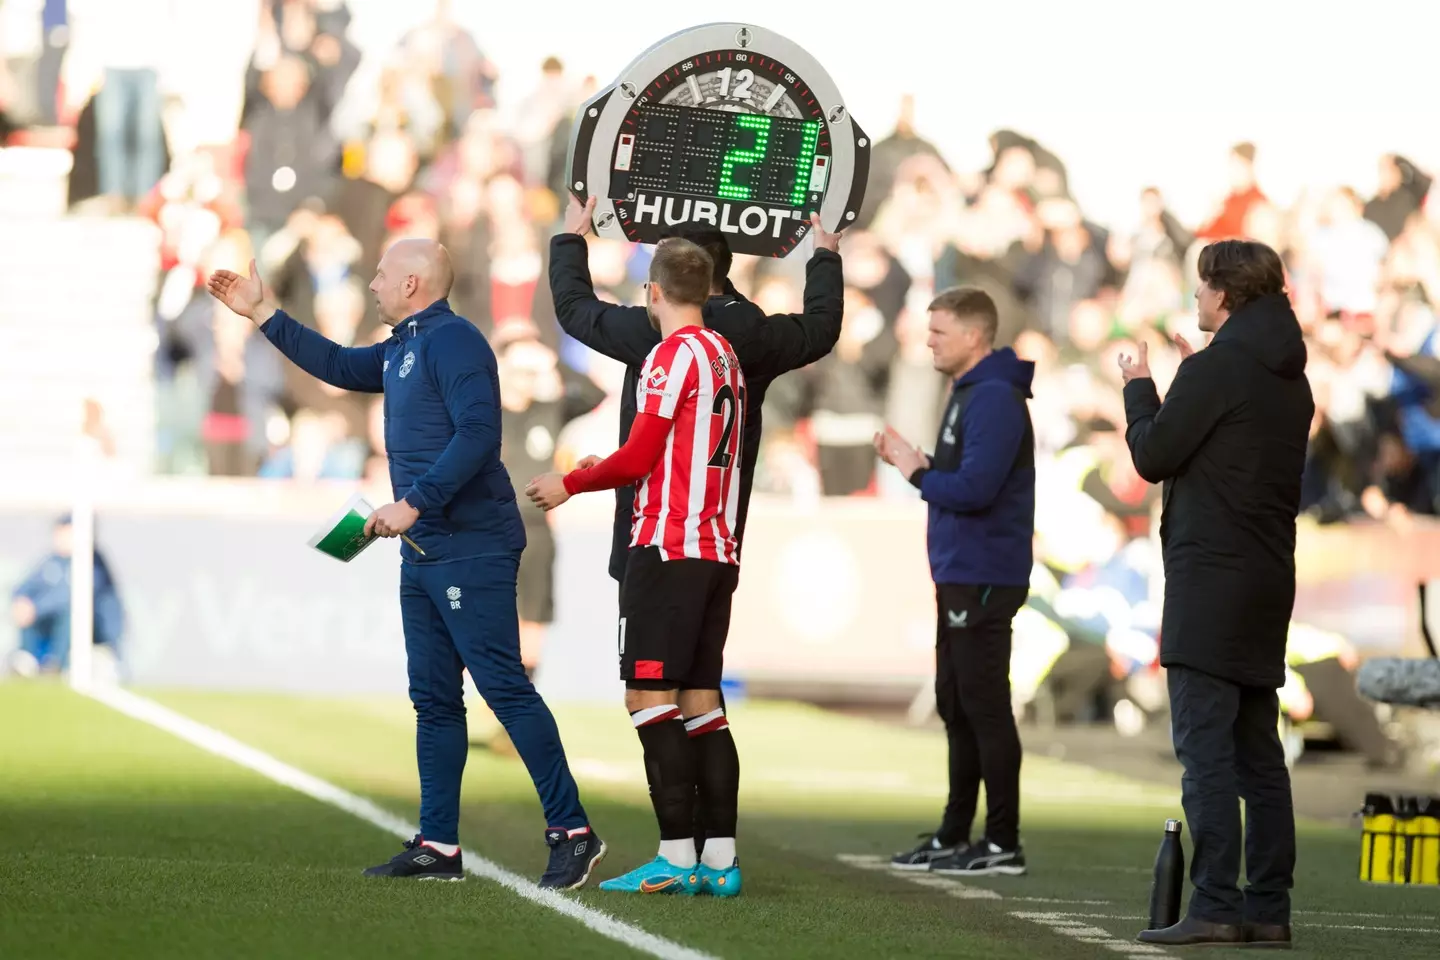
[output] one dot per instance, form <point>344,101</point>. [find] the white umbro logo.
<point>580,847</point>
<point>957,619</point>
<point>424,859</point>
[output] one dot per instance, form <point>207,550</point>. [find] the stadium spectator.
<point>119,52</point>
<point>538,396</point>
<point>40,608</point>
<point>1231,218</point>
<point>291,154</point>
<point>849,389</point>
<point>1402,191</point>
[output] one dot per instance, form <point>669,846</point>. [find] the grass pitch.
<point>118,840</point>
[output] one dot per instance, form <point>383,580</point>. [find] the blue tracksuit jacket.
<point>442,426</point>
<point>981,485</point>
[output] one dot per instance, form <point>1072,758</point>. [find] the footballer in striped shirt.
<point>683,454</point>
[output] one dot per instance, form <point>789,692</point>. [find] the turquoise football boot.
<point>657,876</point>
<point>720,883</point>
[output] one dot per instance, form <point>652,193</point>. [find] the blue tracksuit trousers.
<point>462,613</point>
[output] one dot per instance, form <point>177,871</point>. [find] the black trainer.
<point>572,856</point>
<point>420,862</point>
<point>929,850</point>
<point>984,859</point>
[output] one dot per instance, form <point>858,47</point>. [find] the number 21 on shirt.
<point>727,406</point>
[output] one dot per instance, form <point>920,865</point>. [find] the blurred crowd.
<point>277,137</point>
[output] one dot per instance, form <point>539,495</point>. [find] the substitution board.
<point>726,125</point>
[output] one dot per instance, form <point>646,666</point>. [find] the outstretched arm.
<point>350,368</point>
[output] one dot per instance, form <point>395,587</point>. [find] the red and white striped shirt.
<point>686,506</point>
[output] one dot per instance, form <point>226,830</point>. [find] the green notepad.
<point>343,536</point>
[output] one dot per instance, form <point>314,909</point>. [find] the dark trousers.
<point>1227,739</point>
<point>972,696</point>
<point>463,615</point>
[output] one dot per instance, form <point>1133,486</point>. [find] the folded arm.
<point>361,369</point>
<point>455,355</point>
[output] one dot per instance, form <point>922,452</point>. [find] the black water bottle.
<point>1169,879</point>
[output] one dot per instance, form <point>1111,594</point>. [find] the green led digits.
<point>803,162</point>
<point>728,188</point>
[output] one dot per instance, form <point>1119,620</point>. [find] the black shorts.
<point>674,616</point>
<point>535,584</point>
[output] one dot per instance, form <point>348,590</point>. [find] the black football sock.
<point>717,765</point>
<point>670,770</point>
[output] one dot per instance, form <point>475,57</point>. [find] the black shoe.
<point>984,859</point>
<point>1274,936</point>
<point>571,858</point>
<point>1190,932</point>
<point>929,850</point>
<point>420,862</point>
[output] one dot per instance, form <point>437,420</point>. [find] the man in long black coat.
<point>1229,445</point>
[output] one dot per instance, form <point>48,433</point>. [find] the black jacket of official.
<point>766,347</point>
<point>1229,446</point>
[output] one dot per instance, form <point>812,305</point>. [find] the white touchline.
<point>223,745</point>
<point>1078,918</point>
<point>1063,924</point>
<point>1073,925</point>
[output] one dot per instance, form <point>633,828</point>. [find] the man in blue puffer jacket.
<point>454,500</point>
<point>980,487</point>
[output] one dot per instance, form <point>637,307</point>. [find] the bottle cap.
<point>1172,826</point>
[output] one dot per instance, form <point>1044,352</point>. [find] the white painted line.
<point>1332,926</point>
<point>920,878</point>
<point>213,741</point>
<point>1074,920</point>
<point>1076,917</point>
<point>1083,933</point>
<point>1065,924</point>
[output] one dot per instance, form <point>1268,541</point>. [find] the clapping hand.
<point>894,450</point>
<point>1137,368</point>
<point>1183,345</point>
